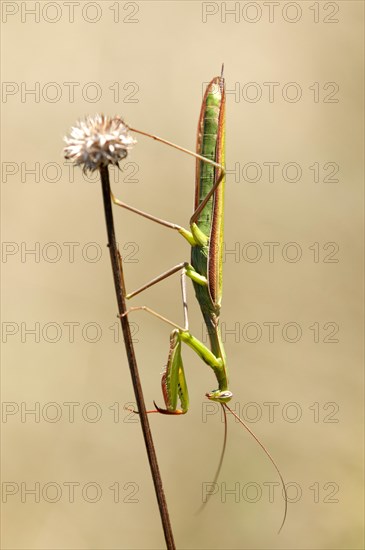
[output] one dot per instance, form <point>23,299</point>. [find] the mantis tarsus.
<point>205,237</point>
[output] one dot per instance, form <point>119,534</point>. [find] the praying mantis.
<point>205,236</point>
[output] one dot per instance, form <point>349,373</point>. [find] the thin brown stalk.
<point>122,309</point>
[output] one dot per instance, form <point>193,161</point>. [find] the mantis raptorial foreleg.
<point>173,381</point>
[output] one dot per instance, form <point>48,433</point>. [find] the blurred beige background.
<point>294,75</point>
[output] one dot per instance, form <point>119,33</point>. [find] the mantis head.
<point>220,396</point>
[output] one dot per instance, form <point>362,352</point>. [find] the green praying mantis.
<point>205,236</point>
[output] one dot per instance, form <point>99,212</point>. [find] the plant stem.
<point>119,286</point>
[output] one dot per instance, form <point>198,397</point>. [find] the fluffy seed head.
<point>98,141</point>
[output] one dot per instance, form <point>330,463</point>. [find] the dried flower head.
<point>98,141</point>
